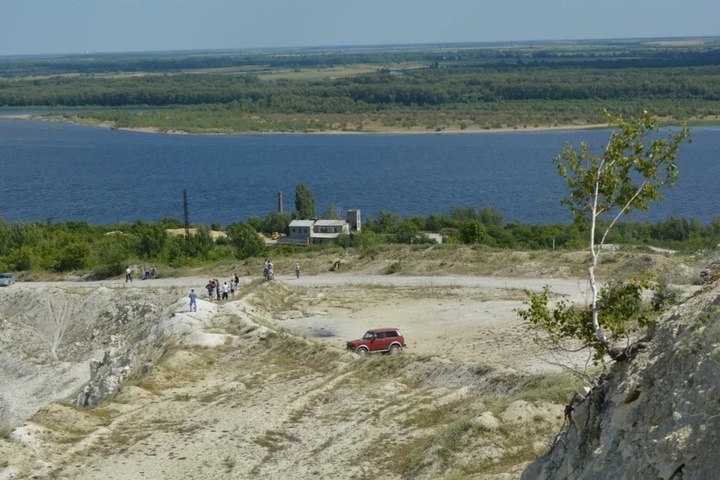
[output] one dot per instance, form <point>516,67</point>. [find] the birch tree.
<point>629,175</point>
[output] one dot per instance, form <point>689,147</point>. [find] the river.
<point>62,171</point>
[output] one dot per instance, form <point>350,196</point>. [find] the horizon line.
<point>369,46</point>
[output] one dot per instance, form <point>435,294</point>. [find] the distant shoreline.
<point>389,131</point>
<point>452,131</point>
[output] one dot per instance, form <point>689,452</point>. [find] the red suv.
<point>378,340</point>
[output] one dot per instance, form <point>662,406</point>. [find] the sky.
<point>79,26</point>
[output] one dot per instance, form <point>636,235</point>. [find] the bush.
<point>246,240</point>
<point>394,267</point>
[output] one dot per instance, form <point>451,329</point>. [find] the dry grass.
<point>447,259</point>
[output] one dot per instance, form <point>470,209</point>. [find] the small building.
<point>317,231</point>
<point>327,231</point>
<point>299,233</point>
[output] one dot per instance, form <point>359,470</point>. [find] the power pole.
<point>187,217</point>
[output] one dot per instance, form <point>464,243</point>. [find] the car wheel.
<point>394,350</point>
<point>362,351</point>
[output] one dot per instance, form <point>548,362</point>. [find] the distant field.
<point>400,88</point>
<point>333,72</point>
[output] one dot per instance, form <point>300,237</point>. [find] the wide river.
<point>62,171</point>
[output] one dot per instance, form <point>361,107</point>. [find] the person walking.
<point>128,274</point>
<point>297,270</point>
<point>193,301</point>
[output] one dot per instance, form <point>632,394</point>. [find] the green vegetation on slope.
<point>104,251</point>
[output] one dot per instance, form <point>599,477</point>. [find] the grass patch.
<point>553,387</point>
<point>436,416</point>
<point>274,440</point>
<point>381,366</point>
<point>411,457</point>
<point>290,350</point>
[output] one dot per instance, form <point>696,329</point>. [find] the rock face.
<point>106,375</point>
<point>49,334</point>
<point>656,417</point>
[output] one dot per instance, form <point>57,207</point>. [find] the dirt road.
<point>574,289</point>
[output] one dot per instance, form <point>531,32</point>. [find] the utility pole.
<point>187,217</point>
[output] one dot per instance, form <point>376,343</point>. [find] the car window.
<point>391,334</point>
<point>380,335</point>
<point>6,275</point>
<point>367,336</point>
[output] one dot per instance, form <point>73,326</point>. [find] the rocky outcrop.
<point>656,417</point>
<point>106,375</point>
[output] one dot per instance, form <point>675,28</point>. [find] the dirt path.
<point>573,288</point>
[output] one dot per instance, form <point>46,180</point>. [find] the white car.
<point>7,279</point>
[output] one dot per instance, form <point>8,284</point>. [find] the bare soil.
<point>260,386</point>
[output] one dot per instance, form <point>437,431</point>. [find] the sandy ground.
<point>236,411</point>
<point>462,318</point>
<point>382,130</point>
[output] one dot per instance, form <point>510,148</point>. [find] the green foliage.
<point>460,87</point>
<point>621,313</point>
<point>246,240</point>
<point>627,176</point>
<point>490,217</point>
<point>272,223</point>
<point>472,232</point>
<point>73,256</point>
<point>332,213</point>
<point>304,202</point>
<point>406,232</point>
<point>386,222</point>
<point>151,240</point>
<point>200,244</point>
<point>394,267</point>
<point>463,214</point>
<point>664,296</point>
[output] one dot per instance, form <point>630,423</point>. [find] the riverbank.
<point>374,130</point>
<point>374,127</point>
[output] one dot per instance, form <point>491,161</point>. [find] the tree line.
<point>423,88</point>
<point>594,54</point>
<point>104,250</point>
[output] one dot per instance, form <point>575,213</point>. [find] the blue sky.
<point>77,26</point>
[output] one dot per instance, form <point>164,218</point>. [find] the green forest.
<point>103,251</point>
<point>431,88</point>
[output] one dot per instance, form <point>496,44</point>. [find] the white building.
<point>316,231</point>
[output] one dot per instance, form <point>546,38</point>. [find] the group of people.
<point>146,272</point>
<point>216,290</point>
<point>221,291</point>
<point>149,273</point>
<point>269,272</point>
